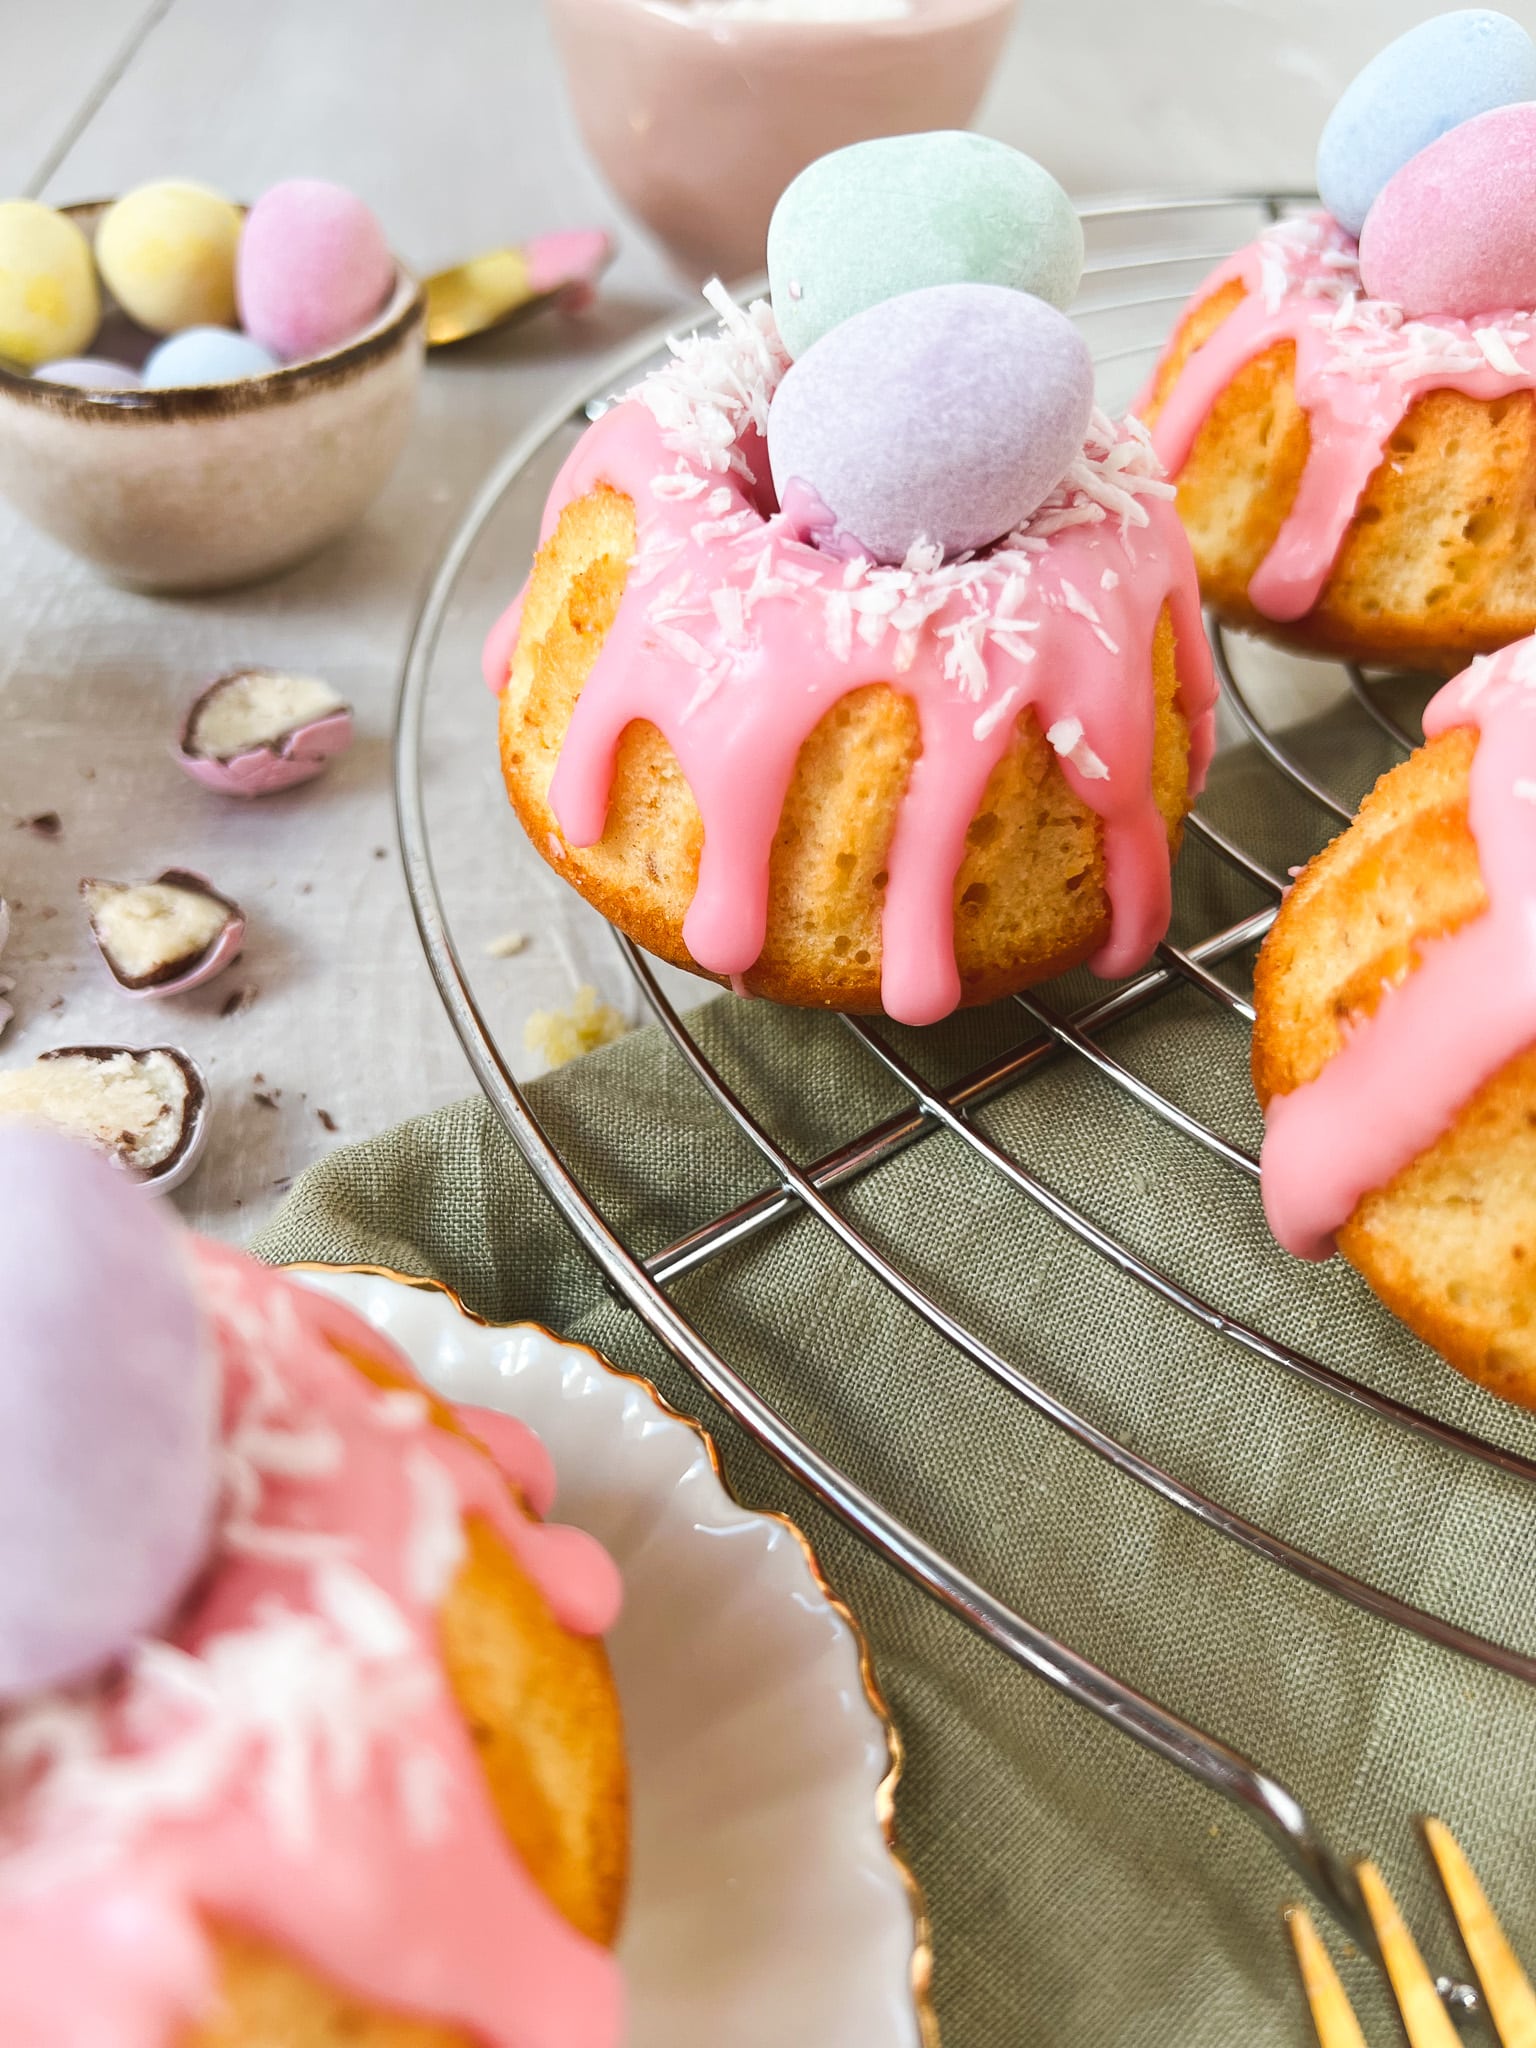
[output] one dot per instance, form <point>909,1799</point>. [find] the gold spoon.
<point>509,284</point>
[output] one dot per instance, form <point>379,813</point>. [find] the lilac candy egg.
<point>1455,230</point>
<point>945,415</point>
<point>89,373</point>
<point>314,266</point>
<point>109,1396</point>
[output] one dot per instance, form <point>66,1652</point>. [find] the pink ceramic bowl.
<point>700,117</point>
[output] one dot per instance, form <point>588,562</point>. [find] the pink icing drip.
<point>1401,1075</point>
<point>1359,368</point>
<point>417,1908</point>
<point>737,713</point>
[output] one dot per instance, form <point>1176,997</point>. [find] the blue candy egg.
<point>109,1410</point>
<point>946,415</point>
<point>206,355</point>
<point>1444,72</point>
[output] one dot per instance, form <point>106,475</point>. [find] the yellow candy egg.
<point>49,304</point>
<point>167,253</point>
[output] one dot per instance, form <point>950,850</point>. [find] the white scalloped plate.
<point>767,1903</point>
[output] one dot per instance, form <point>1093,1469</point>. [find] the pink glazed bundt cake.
<point>871,680</point>
<point>1395,1048</point>
<point>1348,406</point>
<point>306,1732</point>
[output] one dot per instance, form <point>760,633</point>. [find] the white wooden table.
<point>449,117</point>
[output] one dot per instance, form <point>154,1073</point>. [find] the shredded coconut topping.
<point>711,402</point>
<point>1315,259</point>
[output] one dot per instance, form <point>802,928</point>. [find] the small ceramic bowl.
<point>700,117</point>
<point>203,487</point>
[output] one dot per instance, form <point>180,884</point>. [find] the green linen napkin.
<point>1082,1892</point>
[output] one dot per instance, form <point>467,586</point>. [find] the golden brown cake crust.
<point>1450,1243</point>
<point>1029,899</point>
<point>1439,562</point>
<point>542,1709</point>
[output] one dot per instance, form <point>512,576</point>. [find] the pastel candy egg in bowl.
<point>944,416</point>
<point>202,486</point>
<point>49,302</point>
<point>1455,231</point>
<point>314,267</point>
<point>166,253</point>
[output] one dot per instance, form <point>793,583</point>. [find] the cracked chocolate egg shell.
<point>258,730</point>
<point>145,1108</point>
<point>164,936</point>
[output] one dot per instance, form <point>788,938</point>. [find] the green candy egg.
<point>881,218</point>
<point>49,304</point>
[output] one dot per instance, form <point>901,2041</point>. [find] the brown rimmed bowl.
<point>201,487</point>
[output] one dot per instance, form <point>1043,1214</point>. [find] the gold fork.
<point>1421,1999</point>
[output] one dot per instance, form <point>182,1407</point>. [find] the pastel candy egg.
<point>1444,72</point>
<point>886,217</point>
<point>207,355</point>
<point>49,304</point>
<point>167,253</point>
<point>1455,231</point>
<point>946,415</point>
<point>109,1398</point>
<point>89,373</point>
<point>314,267</point>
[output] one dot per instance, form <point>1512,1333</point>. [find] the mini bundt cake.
<point>1348,403</point>
<point>1395,1047</point>
<point>841,781</point>
<point>1351,481</point>
<point>362,1781</point>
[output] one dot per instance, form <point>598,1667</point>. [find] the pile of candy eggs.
<point>937,393</point>
<point>1429,158</point>
<point>206,294</point>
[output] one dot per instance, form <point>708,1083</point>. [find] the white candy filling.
<point>255,709</point>
<point>133,1104</point>
<point>145,930</point>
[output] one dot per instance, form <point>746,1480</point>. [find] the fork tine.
<point>1332,2014</point>
<point>1505,1986</point>
<point>1425,2020</point>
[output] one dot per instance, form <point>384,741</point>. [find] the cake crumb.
<point>507,946</point>
<point>560,1036</point>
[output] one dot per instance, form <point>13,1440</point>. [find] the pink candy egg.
<point>313,267</point>
<point>1454,231</point>
<point>109,1404</point>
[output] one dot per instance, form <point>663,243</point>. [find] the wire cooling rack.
<point>1145,257</point>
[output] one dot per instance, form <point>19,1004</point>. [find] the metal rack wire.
<point>644,1281</point>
